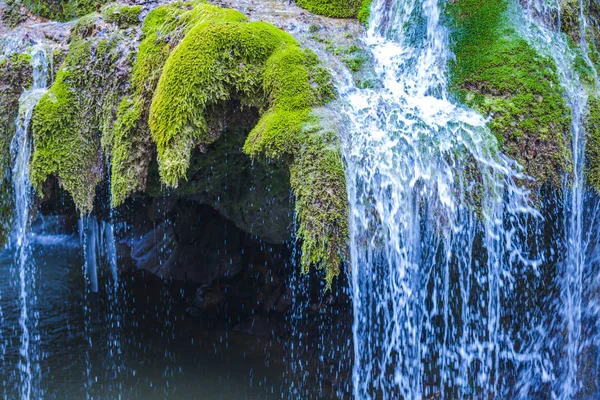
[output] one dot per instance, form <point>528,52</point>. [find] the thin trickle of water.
<point>437,223</point>
<point>110,251</point>
<point>100,271</point>
<point>24,264</point>
<point>299,287</point>
<point>115,294</point>
<point>88,230</point>
<point>91,251</point>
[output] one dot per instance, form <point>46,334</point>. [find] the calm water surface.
<point>144,346</point>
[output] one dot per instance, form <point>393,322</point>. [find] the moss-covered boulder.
<point>360,9</point>
<point>122,14</point>
<point>226,57</point>
<point>120,104</point>
<point>500,75</point>
<point>130,143</point>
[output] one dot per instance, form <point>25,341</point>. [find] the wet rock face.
<point>253,194</point>
<point>192,242</point>
<point>233,273</point>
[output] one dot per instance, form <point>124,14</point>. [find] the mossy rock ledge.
<point>500,75</point>
<point>153,106</point>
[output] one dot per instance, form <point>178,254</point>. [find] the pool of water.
<point>145,345</point>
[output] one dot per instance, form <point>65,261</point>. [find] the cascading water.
<point>437,221</point>
<point>24,263</point>
<point>542,27</point>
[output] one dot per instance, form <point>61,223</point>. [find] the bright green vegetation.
<point>224,57</point>
<point>130,143</point>
<point>587,69</point>
<point>356,60</point>
<point>70,119</point>
<point>121,14</point>
<point>319,184</point>
<point>15,76</point>
<point>364,13</point>
<point>353,56</point>
<point>593,143</point>
<point>217,57</point>
<point>500,75</point>
<point>339,8</point>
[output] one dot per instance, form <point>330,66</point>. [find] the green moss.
<point>122,14</point>
<point>570,19</point>
<point>355,62</point>
<point>499,74</point>
<point>364,13</point>
<point>214,60</point>
<point>130,143</point>
<point>318,182</point>
<point>593,143</point>
<point>70,119</point>
<point>62,10</point>
<point>226,57</point>
<point>332,8</point>
<point>19,62</point>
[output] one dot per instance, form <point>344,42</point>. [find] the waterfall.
<point>437,222</point>
<point>24,263</point>
<point>100,265</point>
<point>542,28</point>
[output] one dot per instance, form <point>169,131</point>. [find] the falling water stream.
<point>24,262</point>
<point>438,225</point>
